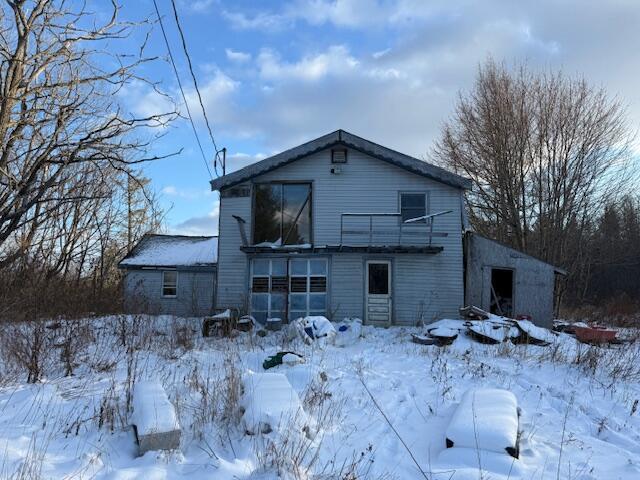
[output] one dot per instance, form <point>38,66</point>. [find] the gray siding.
<point>534,280</point>
<point>423,289</point>
<point>232,262</point>
<point>195,292</point>
<point>427,285</point>
<point>346,284</point>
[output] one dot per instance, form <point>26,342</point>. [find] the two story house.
<point>342,227</point>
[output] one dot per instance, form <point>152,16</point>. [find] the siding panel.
<point>424,286</point>
<point>232,263</point>
<point>534,280</point>
<point>143,293</point>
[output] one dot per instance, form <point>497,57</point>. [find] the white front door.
<point>378,290</point>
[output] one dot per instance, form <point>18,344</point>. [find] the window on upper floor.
<point>413,205</point>
<point>282,213</point>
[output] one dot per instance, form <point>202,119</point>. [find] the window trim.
<point>427,202</point>
<point>281,182</point>
<point>288,293</point>
<point>269,276</point>
<point>162,284</point>
<point>308,293</point>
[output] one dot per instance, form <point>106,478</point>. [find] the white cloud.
<point>401,95</point>
<point>169,190</point>
<point>237,56</point>
<point>185,193</point>
<point>200,6</point>
<point>217,93</point>
<point>352,14</point>
<point>144,101</point>
<point>260,21</point>
<point>335,61</point>
<point>199,225</point>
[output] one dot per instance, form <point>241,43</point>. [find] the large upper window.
<point>282,213</point>
<point>413,205</point>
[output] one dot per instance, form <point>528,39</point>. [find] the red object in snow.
<point>524,317</point>
<point>595,334</point>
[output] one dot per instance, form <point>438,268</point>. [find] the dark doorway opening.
<point>502,292</point>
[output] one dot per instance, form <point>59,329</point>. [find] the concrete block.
<point>154,418</point>
<point>157,441</point>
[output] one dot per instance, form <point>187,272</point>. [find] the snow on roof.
<point>173,250</point>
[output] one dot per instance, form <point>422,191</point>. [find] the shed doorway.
<point>501,292</point>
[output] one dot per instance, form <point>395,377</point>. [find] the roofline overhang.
<point>208,267</point>
<point>346,139</point>
<point>556,270</point>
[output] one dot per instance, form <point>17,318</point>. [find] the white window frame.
<point>163,284</point>
<point>268,276</point>
<point>308,293</point>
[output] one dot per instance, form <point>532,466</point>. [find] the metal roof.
<point>558,270</point>
<point>346,139</point>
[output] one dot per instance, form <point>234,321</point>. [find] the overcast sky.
<point>276,74</point>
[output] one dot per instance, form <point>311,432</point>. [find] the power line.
<point>184,97</point>
<point>195,82</point>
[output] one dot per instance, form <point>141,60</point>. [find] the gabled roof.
<point>558,270</point>
<point>172,251</point>
<point>346,139</point>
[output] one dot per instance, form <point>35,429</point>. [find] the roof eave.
<point>158,267</point>
<point>339,137</point>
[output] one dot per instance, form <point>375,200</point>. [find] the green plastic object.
<point>275,360</point>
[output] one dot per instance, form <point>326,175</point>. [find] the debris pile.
<point>486,328</point>
<point>348,332</point>
<point>314,328</point>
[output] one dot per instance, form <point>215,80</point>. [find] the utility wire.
<point>195,82</point>
<point>184,97</point>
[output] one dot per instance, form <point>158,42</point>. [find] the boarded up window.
<point>299,284</point>
<point>260,285</point>
<point>279,284</point>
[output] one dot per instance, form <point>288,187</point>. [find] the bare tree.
<point>63,131</point>
<point>546,153</point>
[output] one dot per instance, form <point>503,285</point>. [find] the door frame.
<point>487,270</point>
<point>367,262</point>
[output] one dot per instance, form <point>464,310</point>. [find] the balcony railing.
<point>388,229</point>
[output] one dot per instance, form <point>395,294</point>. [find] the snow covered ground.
<point>580,417</point>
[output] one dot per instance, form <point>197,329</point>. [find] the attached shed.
<point>171,274</point>
<point>505,281</point>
